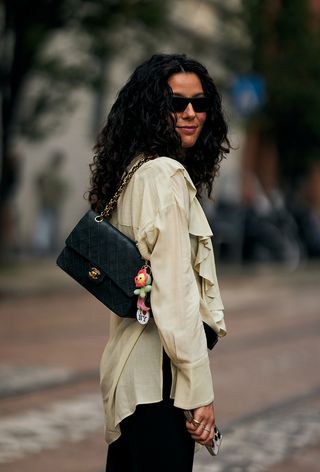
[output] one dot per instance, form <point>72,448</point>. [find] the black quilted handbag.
<point>102,259</point>
<point>105,262</point>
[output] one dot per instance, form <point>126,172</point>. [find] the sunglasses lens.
<point>179,104</point>
<point>199,104</point>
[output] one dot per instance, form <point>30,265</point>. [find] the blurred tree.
<point>38,75</point>
<point>285,51</point>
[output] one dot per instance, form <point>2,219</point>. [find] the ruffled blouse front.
<point>160,212</point>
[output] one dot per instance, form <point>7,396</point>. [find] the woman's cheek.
<point>202,117</point>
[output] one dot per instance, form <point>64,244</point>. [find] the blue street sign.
<point>248,94</point>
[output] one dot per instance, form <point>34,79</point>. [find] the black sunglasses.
<point>199,104</point>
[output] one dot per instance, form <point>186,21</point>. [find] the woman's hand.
<point>202,426</point>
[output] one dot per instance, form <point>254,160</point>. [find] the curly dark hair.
<point>140,122</point>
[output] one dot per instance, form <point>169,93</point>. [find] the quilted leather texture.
<point>102,246</point>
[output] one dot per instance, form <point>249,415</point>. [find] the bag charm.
<point>143,282</point>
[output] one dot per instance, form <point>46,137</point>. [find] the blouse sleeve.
<point>175,299</point>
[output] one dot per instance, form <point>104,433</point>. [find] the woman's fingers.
<point>201,433</point>
<point>201,427</point>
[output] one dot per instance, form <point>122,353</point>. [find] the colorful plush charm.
<point>143,281</point>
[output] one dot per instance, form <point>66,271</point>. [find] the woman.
<point>170,112</point>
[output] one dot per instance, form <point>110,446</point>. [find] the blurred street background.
<point>62,63</point>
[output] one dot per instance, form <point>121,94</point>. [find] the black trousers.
<point>154,438</point>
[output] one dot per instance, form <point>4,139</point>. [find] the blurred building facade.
<point>193,26</point>
<point>282,211</point>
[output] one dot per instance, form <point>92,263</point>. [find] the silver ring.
<point>208,430</point>
<point>196,421</point>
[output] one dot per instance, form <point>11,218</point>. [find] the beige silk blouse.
<point>160,211</point>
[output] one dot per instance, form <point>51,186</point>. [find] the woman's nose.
<point>189,111</point>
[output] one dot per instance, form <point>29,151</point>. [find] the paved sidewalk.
<point>266,440</point>
<point>266,372</point>
<point>30,276</point>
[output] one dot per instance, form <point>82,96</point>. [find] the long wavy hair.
<point>141,122</point>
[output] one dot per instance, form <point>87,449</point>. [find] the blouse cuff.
<point>191,391</point>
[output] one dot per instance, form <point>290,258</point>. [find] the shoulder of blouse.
<point>162,170</point>
<point>164,163</point>
<point>156,186</point>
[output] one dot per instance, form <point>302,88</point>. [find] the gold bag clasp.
<point>94,273</point>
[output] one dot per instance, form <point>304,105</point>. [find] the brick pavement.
<point>264,441</point>
<point>266,383</point>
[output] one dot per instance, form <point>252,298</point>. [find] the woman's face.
<point>189,123</point>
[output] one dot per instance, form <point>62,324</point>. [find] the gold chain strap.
<point>106,213</point>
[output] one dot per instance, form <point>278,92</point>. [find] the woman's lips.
<point>187,129</point>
